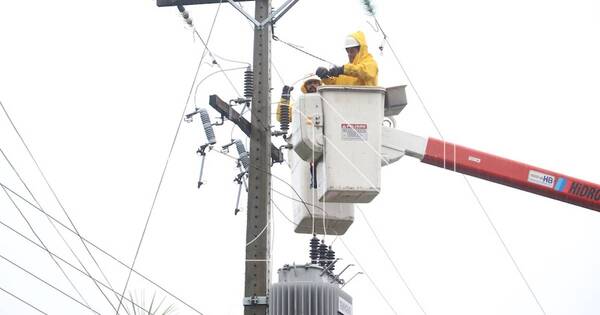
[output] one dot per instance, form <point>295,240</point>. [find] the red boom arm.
<point>511,173</point>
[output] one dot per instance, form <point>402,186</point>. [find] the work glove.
<point>336,71</point>
<point>285,93</point>
<point>322,72</point>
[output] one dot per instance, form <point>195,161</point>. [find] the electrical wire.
<point>296,47</point>
<point>481,206</point>
<point>56,198</point>
<point>96,247</point>
<point>218,65</point>
<point>274,176</point>
<point>208,76</point>
<point>33,230</point>
<point>23,301</point>
<point>61,259</point>
<point>353,256</point>
<point>368,276</point>
<point>48,284</point>
<point>171,150</point>
<point>391,261</point>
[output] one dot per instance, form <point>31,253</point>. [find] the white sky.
<point>96,89</point>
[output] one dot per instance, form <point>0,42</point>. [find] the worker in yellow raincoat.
<point>285,107</point>
<point>361,69</point>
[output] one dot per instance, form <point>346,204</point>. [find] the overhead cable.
<point>391,260</point>
<point>33,230</point>
<point>23,301</point>
<point>98,248</point>
<point>48,284</point>
<point>296,47</point>
<point>181,119</point>
<point>55,196</point>
<point>478,200</point>
<point>369,277</point>
<point>62,259</point>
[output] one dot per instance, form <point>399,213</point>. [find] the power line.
<point>33,230</point>
<point>171,151</point>
<point>98,248</point>
<point>368,277</point>
<point>48,284</point>
<point>25,302</point>
<point>391,261</point>
<point>352,254</point>
<point>481,206</point>
<point>61,259</point>
<point>58,201</point>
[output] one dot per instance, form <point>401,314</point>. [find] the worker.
<point>361,68</point>
<point>310,85</point>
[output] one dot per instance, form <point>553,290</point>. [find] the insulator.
<point>248,83</point>
<point>322,254</point>
<point>208,129</point>
<point>243,154</point>
<point>314,250</point>
<point>284,115</point>
<point>330,258</point>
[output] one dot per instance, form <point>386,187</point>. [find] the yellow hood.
<point>363,70</point>
<point>364,50</point>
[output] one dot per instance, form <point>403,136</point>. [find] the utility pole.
<point>258,269</point>
<point>262,152</point>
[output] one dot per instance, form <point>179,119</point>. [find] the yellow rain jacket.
<point>284,102</point>
<point>363,69</point>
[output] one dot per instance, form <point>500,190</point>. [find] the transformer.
<point>308,290</point>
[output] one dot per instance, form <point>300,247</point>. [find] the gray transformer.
<point>308,290</point>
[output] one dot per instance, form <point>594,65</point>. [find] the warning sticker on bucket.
<point>355,132</point>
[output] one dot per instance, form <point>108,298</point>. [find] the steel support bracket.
<point>256,300</point>
<point>272,18</point>
<point>277,14</point>
<point>244,13</point>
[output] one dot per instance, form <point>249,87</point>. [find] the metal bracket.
<point>277,14</point>
<point>244,13</point>
<point>272,18</point>
<point>256,300</point>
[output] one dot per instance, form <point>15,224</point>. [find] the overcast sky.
<point>96,89</point>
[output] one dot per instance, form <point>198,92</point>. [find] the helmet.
<point>350,42</point>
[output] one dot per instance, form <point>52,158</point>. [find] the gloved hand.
<point>285,93</point>
<point>322,72</point>
<point>287,89</point>
<point>336,71</point>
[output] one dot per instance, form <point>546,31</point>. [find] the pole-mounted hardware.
<point>227,111</point>
<point>256,300</point>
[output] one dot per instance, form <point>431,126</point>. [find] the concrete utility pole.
<point>258,269</point>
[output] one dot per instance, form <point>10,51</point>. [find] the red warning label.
<point>355,132</point>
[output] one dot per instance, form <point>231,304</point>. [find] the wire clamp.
<point>256,300</point>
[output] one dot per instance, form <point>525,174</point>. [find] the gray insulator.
<point>189,22</point>
<point>248,83</point>
<point>185,14</point>
<point>323,254</point>
<point>243,154</point>
<point>208,129</point>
